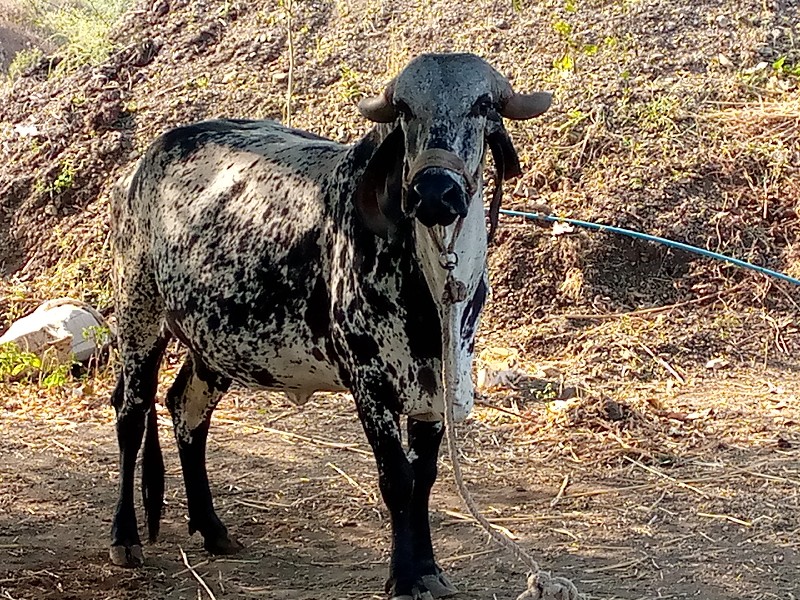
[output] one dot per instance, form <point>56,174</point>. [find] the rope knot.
<point>541,586</point>
<point>454,290</point>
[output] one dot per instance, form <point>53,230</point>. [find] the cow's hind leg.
<point>424,439</point>
<point>191,401</point>
<point>132,398</point>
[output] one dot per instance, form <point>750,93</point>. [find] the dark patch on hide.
<point>363,347</point>
<point>303,255</point>
<point>317,313</point>
<point>422,324</point>
<point>379,304</point>
<point>469,319</point>
<point>265,378</point>
<point>427,380</point>
<point>317,353</point>
<point>235,313</point>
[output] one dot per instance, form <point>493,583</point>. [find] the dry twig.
<point>196,575</point>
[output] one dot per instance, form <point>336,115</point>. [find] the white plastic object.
<point>60,328</point>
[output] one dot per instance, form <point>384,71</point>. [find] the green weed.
<point>80,29</point>
<point>23,60</point>
<point>563,28</point>
<point>57,378</point>
<point>65,178</point>
<point>99,334</point>
<point>15,362</point>
<point>350,84</point>
<point>782,67</point>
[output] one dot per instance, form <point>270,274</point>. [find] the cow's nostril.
<point>453,199</point>
<point>434,188</point>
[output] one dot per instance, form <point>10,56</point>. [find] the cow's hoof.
<point>439,585</point>
<point>223,545</point>
<point>127,556</point>
<point>417,596</point>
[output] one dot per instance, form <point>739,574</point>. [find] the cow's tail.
<point>152,474</point>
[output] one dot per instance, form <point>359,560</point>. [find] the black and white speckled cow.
<point>285,261</point>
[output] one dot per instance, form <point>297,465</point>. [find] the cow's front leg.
<point>396,480</point>
<point>424,438</point>
<point>191,401</point>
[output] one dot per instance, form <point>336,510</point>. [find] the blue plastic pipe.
<point>652,238</point>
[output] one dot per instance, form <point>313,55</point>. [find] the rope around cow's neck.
<point>541,586</point>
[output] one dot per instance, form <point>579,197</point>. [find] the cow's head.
<point>447,108</point>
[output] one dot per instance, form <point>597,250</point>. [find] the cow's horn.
<point>378,109</point>
<point>526,106</point>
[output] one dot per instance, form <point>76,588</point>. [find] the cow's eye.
<point>482,106</point>
<point>403,109</point>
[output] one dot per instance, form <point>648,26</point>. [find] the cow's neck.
<point>460,317</point>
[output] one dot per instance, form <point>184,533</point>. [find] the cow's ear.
<point>506,164</point>
<point>505,156</point>
<point>379,193</point>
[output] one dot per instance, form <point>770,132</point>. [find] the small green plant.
<point>201,81</point>
<point>782,67</point>
<point>99,334</point>
<point>563,28</point>
<point>58,377</point>
<point>18,364</point>
<point>565,63</point>
<point>15,362</point>
<point>23,60</point>
<point>659,113</point>
<point>574,118</point>
<point>349,83</point>
<point>65,179</point>
<point>517,5</point>
<point>548,392</point>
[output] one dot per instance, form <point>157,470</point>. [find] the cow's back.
<point>232,215</point>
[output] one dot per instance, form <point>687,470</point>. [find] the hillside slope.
<point>676,118</point>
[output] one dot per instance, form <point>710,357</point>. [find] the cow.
<point>285,261</point>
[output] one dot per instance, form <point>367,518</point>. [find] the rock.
<point>725,61</point>
<point>615,411</point>
<point>717,363</point>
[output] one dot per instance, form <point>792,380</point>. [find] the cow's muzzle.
<point>438,188</point>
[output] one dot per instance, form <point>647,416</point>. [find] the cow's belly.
<point>293,371</point>
<point>262,355</point>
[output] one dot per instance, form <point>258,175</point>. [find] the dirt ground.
<point>699,497</point>
<point>662,461</point>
